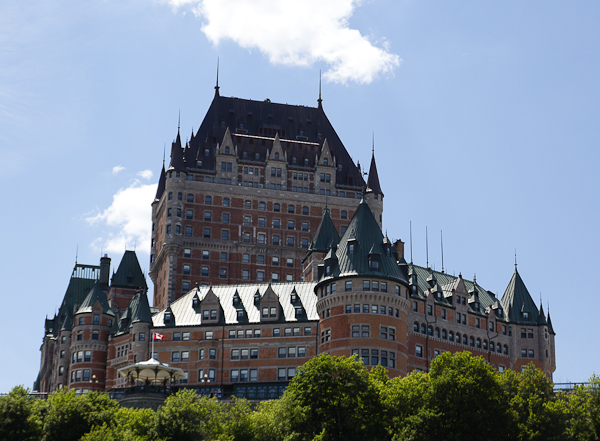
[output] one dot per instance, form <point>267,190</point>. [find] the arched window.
<point>505,350</point>
<point>429,330</point>
<point>437,332</point>
<point>416,327</point>
<point>457,337</point>
<point>479,343</point>
<point>276,156</point>
<point>471,341</point>
<point>451,336</point>
<point>423,328</point>
<point>464,340</point>
<point>444,335</point>
<point>484,344</point>
<point>170,195</point>
<point>499,348</point>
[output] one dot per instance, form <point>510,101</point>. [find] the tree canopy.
<point>331,398</point>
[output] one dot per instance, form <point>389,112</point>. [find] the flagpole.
<point>152,355</point>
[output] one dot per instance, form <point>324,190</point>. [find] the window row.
<point>80,375</point>
<point>371,285</point>
<point>374,357</point>
<point>247,333</point>
<point>372,309</point>
<point>244,354</point>
<point>291,352</point>
<point>237,375</point>
<point>458,338</point>
<point>81,356</point>
<point>95,334</point>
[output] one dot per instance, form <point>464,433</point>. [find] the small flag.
<point>158,336</point>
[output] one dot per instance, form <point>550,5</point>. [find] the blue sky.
<point>485,117</point>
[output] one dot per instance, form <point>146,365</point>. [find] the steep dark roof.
<point>373,181</point>
<point>253,126</point>
<point>550,328</point>
<point>177,159</point>
<point>162,182</point>
<point>129,274</point>
<point>448,282</point>
<point>516,300</point>
<point>326,235</point>
<point>364,232</point>
<point>96,294</point>
<point>82,280</point>
<point>140,308</point>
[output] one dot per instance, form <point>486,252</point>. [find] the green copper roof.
<point>129,274</point>
<point>140,308</point>
<point>96,294</point>
<point>550,328</point>
<point>363,242</point>
<point>517,301</point>
<point>326,235</point>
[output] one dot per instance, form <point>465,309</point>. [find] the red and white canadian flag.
<point>158,336</point>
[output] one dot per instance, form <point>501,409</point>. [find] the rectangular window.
<point>175,356</point>
<point>185,356</point>
<point>364,331</point>
<point>366,285</point>
<point>176,336</point>
<point>281,352</point>
<point>419,351</point>
<point>185,336</point>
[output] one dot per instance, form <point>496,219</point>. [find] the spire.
<point>320,101</point>
<point>177,160</point>
<point>217,85</point>
<point>162,182</point>
<point>517,302</point>
<point>140,308</point>
<point>373,181</point>
<point>326,236</point>
<point>96,294</point>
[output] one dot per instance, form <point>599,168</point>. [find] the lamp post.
<point>93,382</point>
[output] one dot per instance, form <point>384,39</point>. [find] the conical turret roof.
<point>373,181</point>
<point>96,294</point>
<point>140,308</point>
<point>517,301</point>
<point>326,235</point>
<point>177,161</point>
<point>162,182</point>
<point>364,240</point>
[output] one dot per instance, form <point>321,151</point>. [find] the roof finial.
<point>76,253</point>
<point>474,279</point>
<point>320,101</point>
<point>217,85</point>
<point>373,146</point>
<point>164,153</point>
<point>515,259</point>
<point>411,256</point>
<point>427,246</point>
<point>442,243</point>
<point>179,121</point>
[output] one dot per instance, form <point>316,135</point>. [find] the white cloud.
<point>146,174</point>
<point>297,33</point>
<point>117,168</point>
<point>127,220</point>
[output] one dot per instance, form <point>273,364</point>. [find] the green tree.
<point>69,416</point>
<point>461,398</point>
<point>128,425</point>
<point>531,397</point>
<point>20,416</point>
<point>334,398</point>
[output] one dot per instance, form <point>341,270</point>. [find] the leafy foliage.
<point>20,416</point>
<point>331,398</point>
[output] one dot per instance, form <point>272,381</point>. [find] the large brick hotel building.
<point>267,249</point>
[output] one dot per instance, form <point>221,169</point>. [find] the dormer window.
<point>325,162</point>
<point>276,156</point>
<point>374,265</point>
<point>240,314</point>
<point>328,270</point>
<point>299,312</point>
<point>195,303</point>
<point>236,301</point>
<point>294,297</point>
<point>167,317</point>
<point>525,315</point>
<point>226,150</point>
<point>351,248</point>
